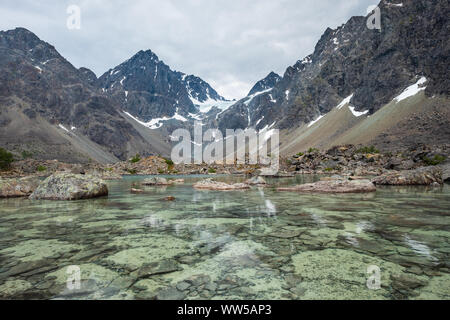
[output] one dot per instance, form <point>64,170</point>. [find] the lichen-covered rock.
<point>210,184</point>
<point>16,188</point>
<point>446,172</point>
<point>334,186</point>
<point>155,181</point>
<point>255,181</point>
<point>69,186</point>
<point>421,176</point>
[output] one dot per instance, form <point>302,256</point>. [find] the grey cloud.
<point>231,44</point>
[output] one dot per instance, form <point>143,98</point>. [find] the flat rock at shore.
<point>16,188</point>
<point>69,186</point>
<point>421,176</point>
<point>210,184</point>
<point>334,186</point>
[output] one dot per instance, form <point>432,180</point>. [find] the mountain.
<point>267,83</point>
<point>150,91</point>
<point>361,69</point>
<point>55,111</point>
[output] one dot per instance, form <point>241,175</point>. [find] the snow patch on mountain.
<point>412,90</point>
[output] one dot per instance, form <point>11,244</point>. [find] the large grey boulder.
<point>421,176</point>
<point>334,186</point>
<point>16,188</point>
<point>69,186</point>
<point>155,181</point>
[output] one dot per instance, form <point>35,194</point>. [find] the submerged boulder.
<point>16,188</point>
<point>256,181</point>
<point>421,176</point>
<point>334,186</point>
<point>69,186</point>
<point>210,184</point>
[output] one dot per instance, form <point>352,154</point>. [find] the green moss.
<point>6,158</point>
<point>26,154</point>
<point>437,159</point>
<point>136,159</point>
<point>212,170</point>
<point>328,169</point>
<point>41,168</point>
<point>313,150</point>
<point>300,154</point>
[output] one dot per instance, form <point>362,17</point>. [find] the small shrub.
<point>437,159</point>
<point>300,154</point>
<point>6,158</point>
<point>26,154</point>
<point>313,150</point>
<point>169,163</point>
<point>161,171</point>
<point>367,150</point>
<point>132,171</point>
<point>41,168</point>
<point>212,170</point>
<point>328,169</point>
<point>136,159</point>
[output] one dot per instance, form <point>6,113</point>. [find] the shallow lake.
<point>257,244</point>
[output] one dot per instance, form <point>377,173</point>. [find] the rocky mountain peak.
<point>267,83</point>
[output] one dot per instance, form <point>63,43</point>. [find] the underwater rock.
<point>210,184</point>
<point>69,186</point>
<point>16,188</point>
<point>170,294</point>
<point>256,181</point>
<point>421,176</point>
<point>334,186</point>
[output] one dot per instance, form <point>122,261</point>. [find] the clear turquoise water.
<point>257,244</point>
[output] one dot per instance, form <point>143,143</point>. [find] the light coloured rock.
<point>334,186</point>
<point>155,181</point>
<point>421,176</point>
<point>256,181</point>
<point>210,184</point>
<point>69,186</point>
<point>16,188</point>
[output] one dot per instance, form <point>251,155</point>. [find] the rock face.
<point>371,67</point>
<point>69,186</point>
<point>148,89</point>
<point>16,188</point>
<point>267,83</point>
<point>446,172</point>
<point>210,184</point>
<point>334,186</point>
<point>421,176</point>
<point>57,108</point>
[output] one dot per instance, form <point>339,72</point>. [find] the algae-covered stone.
<point>210,184</point>
<point>334,186</point>
<point>16,188</point>
<point>69,186</point>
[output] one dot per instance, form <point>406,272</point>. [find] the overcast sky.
<point>229,43</point>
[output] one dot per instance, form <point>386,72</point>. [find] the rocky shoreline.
<point>348,164</point>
